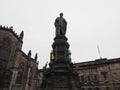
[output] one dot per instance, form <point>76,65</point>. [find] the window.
<point>82,78</point>
<point>20,74</point>
<point>94,70</point>
<point>112,66</point>
<point>95,78</point>
<point>88,78</point>
<point>115,76</point>
<point>5,49</point>
<point>104,75</point>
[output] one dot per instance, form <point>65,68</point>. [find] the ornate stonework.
<point>18,71</point>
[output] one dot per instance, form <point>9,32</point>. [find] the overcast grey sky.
<point>90,22</point>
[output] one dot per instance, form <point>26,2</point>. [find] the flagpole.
<point>99,51</point>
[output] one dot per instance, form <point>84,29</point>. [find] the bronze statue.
<point>61,25</point>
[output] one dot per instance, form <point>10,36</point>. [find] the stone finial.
<point>21,35</point>
<point>29,53</point>
<point>11,28</point>
<point>6,27</point>
<point>36,56</point>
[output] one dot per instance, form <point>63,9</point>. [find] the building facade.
<point>102,74</point>
<point>18,71</point>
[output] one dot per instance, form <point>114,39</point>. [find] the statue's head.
<point>61,14</point>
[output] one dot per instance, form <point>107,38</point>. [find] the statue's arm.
<point>65,22</point>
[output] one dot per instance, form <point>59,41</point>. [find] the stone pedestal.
<point>60,75</point>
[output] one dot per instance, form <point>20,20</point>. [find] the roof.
<point>98,62</point>
<point>10,29</point>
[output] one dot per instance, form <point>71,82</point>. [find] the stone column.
<point>28,76</point>
<point>13,79</point>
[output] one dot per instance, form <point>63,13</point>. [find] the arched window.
<point>8,76</point>
<point>30,75</point>
<point>20,74</point>
<point>5,49</point>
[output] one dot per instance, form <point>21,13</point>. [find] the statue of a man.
<point>61,25</point>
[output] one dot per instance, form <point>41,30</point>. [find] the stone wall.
<point>103,74</point>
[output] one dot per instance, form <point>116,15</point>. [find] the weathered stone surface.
<point>18,71</point>
<point>60,75</point>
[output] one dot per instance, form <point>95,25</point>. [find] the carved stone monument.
<point>60,75</point>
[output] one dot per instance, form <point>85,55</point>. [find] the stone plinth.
<point>60,75</point>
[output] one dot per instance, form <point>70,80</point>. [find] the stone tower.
<point>60,75</point>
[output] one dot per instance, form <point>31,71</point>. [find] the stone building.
<point>18,71</point>
<point>102,74</point>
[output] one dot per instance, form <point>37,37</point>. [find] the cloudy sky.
<point>90,23</point>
